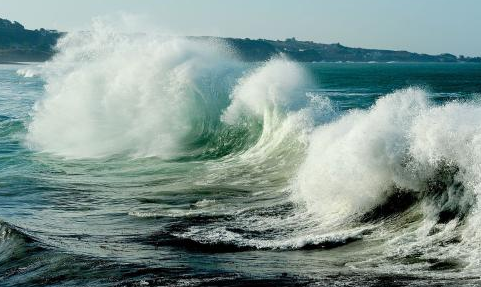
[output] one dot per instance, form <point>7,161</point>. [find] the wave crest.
<point>108,93</point>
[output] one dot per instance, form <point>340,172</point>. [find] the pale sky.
<point>426,26</point>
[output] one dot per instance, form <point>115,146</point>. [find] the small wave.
<point>13,243</point>
<point>204,202</point>
<point>29,72</point>
<point>223,239</point>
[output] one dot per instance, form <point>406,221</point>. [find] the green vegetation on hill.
<point>20,44</point>
<point>307,51</point>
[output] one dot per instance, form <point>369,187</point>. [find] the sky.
<point>424,26</point>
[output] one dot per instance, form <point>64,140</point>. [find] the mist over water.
<point>168,161</point>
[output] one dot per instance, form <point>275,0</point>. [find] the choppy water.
<point>151,161</point>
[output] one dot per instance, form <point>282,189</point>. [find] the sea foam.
<point>109,93</point>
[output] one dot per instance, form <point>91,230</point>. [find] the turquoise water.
<point>189,168</point>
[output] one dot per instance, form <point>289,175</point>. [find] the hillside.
<point>307,51</point>
<point>20,44</point>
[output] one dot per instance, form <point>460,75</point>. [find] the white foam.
<point>353,161</point>
<point>28,72</point>
<point>276,94</point>
<point>402,142</point>
<point>110,93</point>
<point>275,86</point>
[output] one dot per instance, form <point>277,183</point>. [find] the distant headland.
<point>18,44</point>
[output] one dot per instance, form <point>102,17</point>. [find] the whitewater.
<point>139,159</point>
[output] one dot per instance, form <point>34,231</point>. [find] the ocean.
<point>154,161</point>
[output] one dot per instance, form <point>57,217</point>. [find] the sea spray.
<point>277,86</point>
<point>353,161</point>
<point>404,144</point>
<point>109,93</point>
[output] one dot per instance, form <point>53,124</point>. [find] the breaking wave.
<point>406,170</point>
<point>403,158</point>
<point>144,95</point>
<point>109,93</point>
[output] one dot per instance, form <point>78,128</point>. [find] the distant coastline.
<point>307,51</point>
<point>18,44</point>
